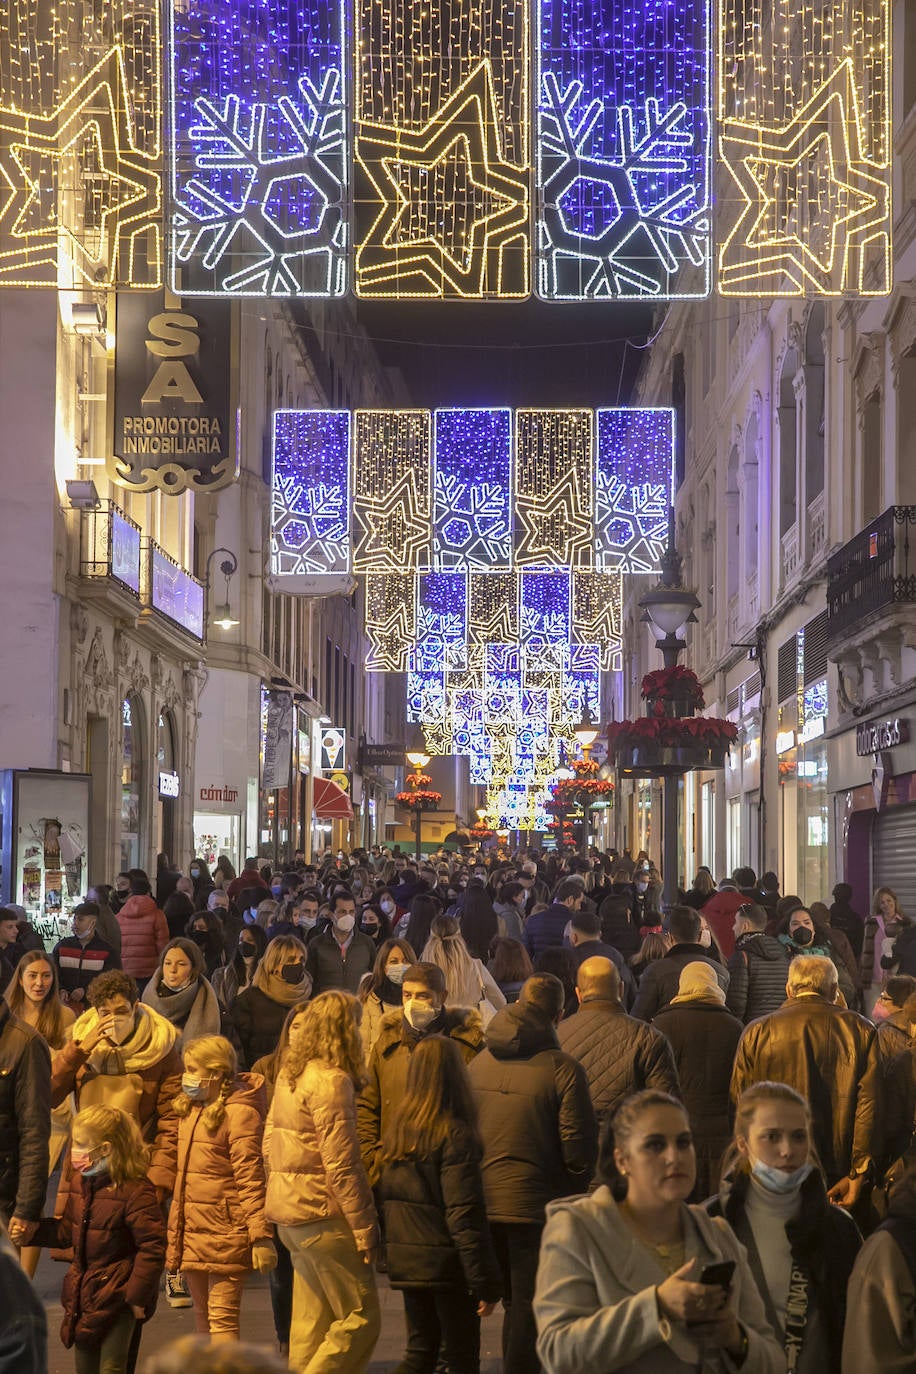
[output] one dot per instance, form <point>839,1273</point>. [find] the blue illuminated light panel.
<point>634,468</point>
<point>310,519</point>
<point>623,149</point>
<point>258,148</point>
<point>472,489</point>
<point>442,615</point>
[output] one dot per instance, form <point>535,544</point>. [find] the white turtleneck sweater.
<point>767,1214</point>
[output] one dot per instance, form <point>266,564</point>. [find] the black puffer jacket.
<point>759,968</point>
<point>25,1118</point>
<point>619,1054</point>
<point>540,1137</point>
<point>704,1038</point>
<point>436,1228</point>
<point>660,980</point>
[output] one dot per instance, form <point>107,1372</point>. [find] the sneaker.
<point>176,1292</point>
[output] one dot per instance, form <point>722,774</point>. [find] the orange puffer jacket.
<point>217,1210</point>
<point>312,1153</point>
<point>144,935</point>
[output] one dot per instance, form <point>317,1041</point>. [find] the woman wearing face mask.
<point>203,883</point>
<point>114,1227</point>
<point>179,991</point>
<point>207,932</point>
<point>801,1249</point>
<point>798,933</point>
<point>280,982</point>
<point>380,990</point>
<point>229,980</point>
<point>374,923</point>
<point>397,917</point>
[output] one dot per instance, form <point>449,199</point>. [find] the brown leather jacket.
<point>311,1150</point>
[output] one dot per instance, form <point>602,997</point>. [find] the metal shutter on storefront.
<point>894,854</point>
<point>787,669</point>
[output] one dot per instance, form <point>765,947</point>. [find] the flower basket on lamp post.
<point>418,799</point>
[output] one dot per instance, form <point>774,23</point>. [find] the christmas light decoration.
<point>80,145</point>
<point>597,615</point>
<point>805,144</point>
<point>391,490</point>
<point>310,524</point>
<point>259,148</point>
<point>390,621</point>
<point>634,469</point>
<point>442,616</point>
<point>623,149</point>
<point>441,148</point>
<point>472,489</point>
<point>493,607</point>
<point>553,488</point>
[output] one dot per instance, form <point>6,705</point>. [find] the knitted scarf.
<point>149,1042</point>
<point>194,1011</point>
<point>277,988</point>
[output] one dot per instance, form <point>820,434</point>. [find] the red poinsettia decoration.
<point>481,832</point>
<point>418,779</point>
<point>672,732</point>
<point>673,684</point>
<point>420,800</point>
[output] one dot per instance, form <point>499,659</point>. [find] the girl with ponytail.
<point>217,1229</point>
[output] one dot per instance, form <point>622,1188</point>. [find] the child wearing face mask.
<point>117,1233</point>
<point>217,1229</point>
<point>801,1249</point>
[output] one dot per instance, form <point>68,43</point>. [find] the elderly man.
<point>829,1055</point>
<point>619,1054</point>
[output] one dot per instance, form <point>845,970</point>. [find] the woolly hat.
<point>698,983</point>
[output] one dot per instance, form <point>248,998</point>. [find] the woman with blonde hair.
<point>317,1190</point>
<point>800,1248</point>
<point>280,982</point>
<point>468,982</point>
<point>882,928</point>
<point>218,1231</point>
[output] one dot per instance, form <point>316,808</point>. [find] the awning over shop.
<point>330,802</point>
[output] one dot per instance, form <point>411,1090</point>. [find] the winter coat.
<point>875,965</point>
<point>537,1124</point>
<point>720,917</point>
<point>892,1036</point>
<point>79,961</point>
<point>704,1038</point>
<point>829,1055</point>
<point>117,1236</point>
<point>25,1118</point>
<point>374,1012</point>
<point>311,1150</point>
<point>905,951</point>
<point>248,878</point>
<point>660,978</point>
<point>825,1242</point>
<point>23,1324</point>
<point>595,1302</point>
<point>544,930</point>
<point>510,923</point>
<point>329,968</point>
<point>217,1210</point>
<point>844,918</point>
<point>618,925</point>
<point>597,949</point>
<point>758,970</point>
<point>619,1054</point>
<point>145,1090</point>
<point>144,935</point>
<point>436,1229</point>
<point>258,1021</point>
<point>880,1332</point>
<point>386,1080</point>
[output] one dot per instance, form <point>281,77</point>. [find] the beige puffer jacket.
<point>311,1150</point>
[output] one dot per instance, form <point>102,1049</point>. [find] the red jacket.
<point>118,1237</point>
<point>249,877</point>
<point>144,935</point>
<point>720,915</point>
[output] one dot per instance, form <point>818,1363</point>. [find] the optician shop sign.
<point>878,735</point>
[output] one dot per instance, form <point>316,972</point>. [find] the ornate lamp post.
<point>418,758</point>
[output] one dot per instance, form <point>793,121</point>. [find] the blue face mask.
<point>194,1087</point>
<point>777,1180</point>
<point>250,917</point>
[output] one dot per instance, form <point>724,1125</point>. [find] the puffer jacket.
<point>892,1036</point>
<point>386,1075</point>
<point>258,1022</point>
<point>540,1137</point>
<point>660,979</point>
<point>704,1038</point>
<point>25,1117</point>
<point>619,1054</point>
<point>311,1150</point>
<point>829,1055</point>
<point>436,1229</point>
<point>117,1236</point>
<point>144,935</point>
<point>217,1210</point>
<point>758,970</point>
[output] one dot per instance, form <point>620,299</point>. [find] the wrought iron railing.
<point>110,547</point>
<point>171,591</point>
<point>874,571</point>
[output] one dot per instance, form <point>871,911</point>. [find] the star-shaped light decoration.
<point>814,215</point>
<point>555,528</point>
<point>453,212</point>
<point>391,532</point>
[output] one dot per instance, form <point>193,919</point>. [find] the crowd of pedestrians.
<point>656,1142</point>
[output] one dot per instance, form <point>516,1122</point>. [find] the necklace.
<point>670,1254</point>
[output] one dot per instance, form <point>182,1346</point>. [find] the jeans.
<point>336,1315</point>
<point>117,1351</point>
<point>281,1292</point>
<point>517,1245</point>
<point>217,1299</point>
<point>441,1315</point>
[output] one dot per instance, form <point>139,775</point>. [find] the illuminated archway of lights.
<point>80,145</point>
<point>499,599</point>
<point>805,143</point>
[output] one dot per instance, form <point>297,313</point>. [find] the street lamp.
<point>586,732</point>
<point>418,758</point>
<point>222,614</point>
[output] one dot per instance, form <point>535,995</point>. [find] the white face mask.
<point>121,1027</point>
<point>344,924</point>
<point>641,887</point>
<point>387,906</point>
<point>420,1014</point>
<point>777,1180</point>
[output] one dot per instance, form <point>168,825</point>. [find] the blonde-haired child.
<point>217,1229</point>
<point>117,1231</point>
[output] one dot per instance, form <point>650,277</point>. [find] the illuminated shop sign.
<point>881,734</point>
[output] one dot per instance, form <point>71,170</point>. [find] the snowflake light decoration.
<point>310,521</point>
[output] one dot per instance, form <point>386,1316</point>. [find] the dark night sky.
<point>529,353</point>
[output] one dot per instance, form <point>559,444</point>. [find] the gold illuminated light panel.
<point>441,165</point>
<point>80,144</point>
<point>391,490</point>
<point>597,614</point>
<point>804,200</point>
<point>390,621</point>
<point>554,500</point>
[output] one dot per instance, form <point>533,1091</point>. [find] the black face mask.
<point>247,949</point>
<point>201,937</point>
<point>293,973</point>
<point>803,936</point>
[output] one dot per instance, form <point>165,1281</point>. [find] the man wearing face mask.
<point>341,955</point>
<point>422,1012</point>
